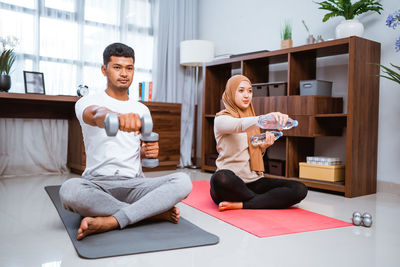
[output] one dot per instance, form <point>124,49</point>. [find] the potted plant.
<point>7,58</point>
<point>344,8</point>
<point>286,36</point>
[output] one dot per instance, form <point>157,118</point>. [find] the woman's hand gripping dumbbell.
<point>112,125</point>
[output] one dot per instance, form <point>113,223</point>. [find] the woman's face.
<point>243,95</point>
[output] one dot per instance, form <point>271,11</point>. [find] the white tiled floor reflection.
<point>32,234</point>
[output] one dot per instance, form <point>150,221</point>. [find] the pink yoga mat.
<point>261,223</point>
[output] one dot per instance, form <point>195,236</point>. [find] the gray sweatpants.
<point>129,200</point>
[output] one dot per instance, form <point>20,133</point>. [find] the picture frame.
<point>34,82</point>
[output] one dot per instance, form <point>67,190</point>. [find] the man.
<point>113,191</point>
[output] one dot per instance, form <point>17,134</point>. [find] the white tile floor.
<point>32,234</point>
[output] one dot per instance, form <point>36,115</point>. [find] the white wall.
<point>239,26</point>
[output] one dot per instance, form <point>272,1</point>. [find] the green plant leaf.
<point>7,59</point>
<point>328,16</point>
<point>348,10</point>
<point>392,75</point>
<point>286,33</point>
<point>397,67</point>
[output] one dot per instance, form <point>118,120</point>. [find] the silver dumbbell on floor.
<point>365,219</point>
<point>111,125</point>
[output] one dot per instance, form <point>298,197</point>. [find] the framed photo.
<point>34,82</point>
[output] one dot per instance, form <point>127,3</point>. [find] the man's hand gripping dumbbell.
<point>131,123</point>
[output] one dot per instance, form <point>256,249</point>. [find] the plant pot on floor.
<point>350,27</point>
<point>5,82</point>
<point>286,44</point>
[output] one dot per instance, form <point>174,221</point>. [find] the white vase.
<point>348,28</point>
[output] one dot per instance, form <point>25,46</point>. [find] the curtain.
<point>45,151</point>
<point>65,40</point>
<point>176,21</point>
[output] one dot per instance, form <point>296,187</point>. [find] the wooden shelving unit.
<point>317,115</point>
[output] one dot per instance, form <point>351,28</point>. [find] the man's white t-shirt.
<point>110,155</point>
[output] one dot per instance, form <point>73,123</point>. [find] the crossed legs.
<point>230,192</point>
<point>108,203</point>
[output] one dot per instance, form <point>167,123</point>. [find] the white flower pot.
<point>348,28</point>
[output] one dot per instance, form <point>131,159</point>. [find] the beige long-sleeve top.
<point>232,145</point>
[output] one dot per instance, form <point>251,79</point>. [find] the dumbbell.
<point>365,219</point>
<point>111,125</point>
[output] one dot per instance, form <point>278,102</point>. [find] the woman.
<point>239,182</point>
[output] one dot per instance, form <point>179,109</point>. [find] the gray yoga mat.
<point>138,238</point>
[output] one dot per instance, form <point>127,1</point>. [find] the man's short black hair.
<point>117,50</point>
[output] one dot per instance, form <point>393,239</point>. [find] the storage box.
<point>210,159</point>
<point>276,167</point>
<point>316,87</point>
<point>277,89</point>
<point>329,173</point>
<point>260,89</point>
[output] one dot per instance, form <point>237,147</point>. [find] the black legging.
<point>265,193</point>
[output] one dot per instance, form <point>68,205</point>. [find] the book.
<point>143,91</point>
<point>150,91</point>
<point>140,91</point>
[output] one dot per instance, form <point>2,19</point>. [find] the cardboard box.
<point>329,173</point>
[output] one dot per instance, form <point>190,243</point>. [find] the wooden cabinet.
<point>167,123</point>
<point>356,120</point>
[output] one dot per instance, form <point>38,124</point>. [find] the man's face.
<point>119,72</point>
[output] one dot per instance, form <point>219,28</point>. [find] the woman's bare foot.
<point>226,205</point>
<point>92,225</point>
<point>171,215</point>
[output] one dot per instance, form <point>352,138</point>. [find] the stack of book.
<point>145,91</point>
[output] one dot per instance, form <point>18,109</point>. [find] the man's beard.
<point>120,88</point>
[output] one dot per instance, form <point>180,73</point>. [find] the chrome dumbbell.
<point>365,219</point>
<point>111,125</point>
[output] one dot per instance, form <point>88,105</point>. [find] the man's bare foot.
<point>92,225</point>
<point>226,205</point>
<point>171,215</point>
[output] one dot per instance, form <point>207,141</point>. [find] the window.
<point>65,40</point>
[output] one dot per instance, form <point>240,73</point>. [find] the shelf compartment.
<point>275,157</point>
<point>302,66</point>
<point>297,149</point>
<point>329,125</point>
<point>259,70</point>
